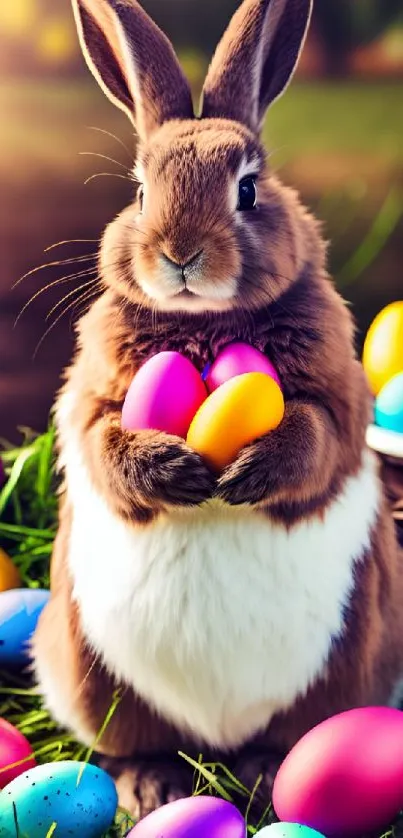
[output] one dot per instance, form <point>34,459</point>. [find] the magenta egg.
<point>13,748</point>
<point>345,777</point>
<point>192,817</point>
<point>237,359</point>
<point>164,395</point>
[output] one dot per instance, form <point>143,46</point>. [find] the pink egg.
<point>164,396</point>
<point>13,748</point>
<point>345,777</point>
<point>192,817</point>
<point>237,359</point>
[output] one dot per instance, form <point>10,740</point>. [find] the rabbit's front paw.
<point>163,471</point>
<point>246,479</point>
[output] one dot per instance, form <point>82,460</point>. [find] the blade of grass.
<point>15,475</point>
<point>112,710</point>
<point>45,464</point>
<point>208,775</point>
<point>252,797</point>
<point>382,228</point>
<point>18,530</point>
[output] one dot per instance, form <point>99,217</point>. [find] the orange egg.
<point>9,576</point>
<point>383,348</point>
<point>239,411</point>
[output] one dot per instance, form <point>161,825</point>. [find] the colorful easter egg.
<point>13,749</point>
<point>9,576</point>
<point>81,804</point>
<point>241,410</point>
<point>389,405</point>
<point>383,348</point>
<point>345,777</point>
<point>192,817</point>
<point>288,830</point>
<point>236,359</point>
<point>164,395</point>
<point>19,614</point>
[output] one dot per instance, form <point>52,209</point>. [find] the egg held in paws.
<point>236,359</point>
<point>238,412</point>
<point>164,395</point>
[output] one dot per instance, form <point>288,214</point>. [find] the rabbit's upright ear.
<point>255,59</point>
<point>133,62</point>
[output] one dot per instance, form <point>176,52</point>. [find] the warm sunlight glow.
<point>17,16</point>
<point>56,42</point>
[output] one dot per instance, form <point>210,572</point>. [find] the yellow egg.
<point>9,576</point>
<point>383,348</point>
<point>238,412</point>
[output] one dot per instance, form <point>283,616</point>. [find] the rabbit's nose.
<point>181,266</point>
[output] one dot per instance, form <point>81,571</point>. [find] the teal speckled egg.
<point>389,405</point>
<point>83,806</point>
<point>288,830</point>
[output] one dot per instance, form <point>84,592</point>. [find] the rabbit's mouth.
<point>186,292</point>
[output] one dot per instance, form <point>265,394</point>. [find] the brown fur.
<point>161,94</point>
<point>233,88</point>
<point>259,276</point>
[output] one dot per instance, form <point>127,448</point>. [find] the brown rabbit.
<point>234,613</point>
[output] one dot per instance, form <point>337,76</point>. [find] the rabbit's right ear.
<point>255,59</point>
<point>133,62</point>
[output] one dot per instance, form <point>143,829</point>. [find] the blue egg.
<point>83,805</point>
<point>19,614</point>
<point>389,405</point>
<point>288,830</point>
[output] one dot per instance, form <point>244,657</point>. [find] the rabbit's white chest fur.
<point>216,616</point>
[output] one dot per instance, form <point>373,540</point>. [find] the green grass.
<point>28,521</point>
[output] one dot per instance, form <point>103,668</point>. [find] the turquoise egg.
<point>389,405</point>
<point>20,610</point>
<point>83,806</point>
<point>288,830</point>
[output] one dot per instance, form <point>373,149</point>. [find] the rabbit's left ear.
<point>255,59</point>
<point>133,62</point>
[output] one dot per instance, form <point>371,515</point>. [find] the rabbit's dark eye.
<point>247,194</point>
<point>140,197</point>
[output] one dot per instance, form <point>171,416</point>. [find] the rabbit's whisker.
<point>104,157</point>
<point>91,282</point>
<point>76,259</point>
<point>107,174</point>
<point>59,281</point>
<point>88,297</point>
<point>83,298</point>
<point>114,137</point>
<point>69,241</point>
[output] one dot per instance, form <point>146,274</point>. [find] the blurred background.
<point>337,135</point>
